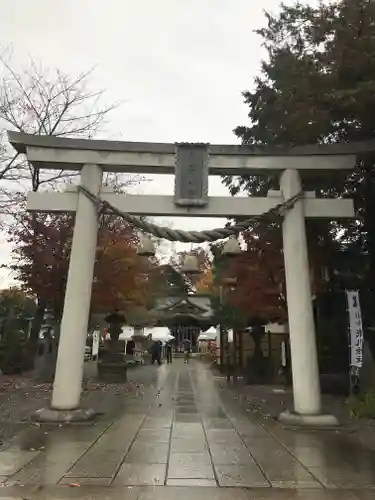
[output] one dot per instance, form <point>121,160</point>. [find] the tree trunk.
<point>369,226</point>
<point>257,334</point>
<point>32,342</point>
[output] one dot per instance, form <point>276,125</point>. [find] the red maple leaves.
<point>260,290</point>
<point>42,246</point>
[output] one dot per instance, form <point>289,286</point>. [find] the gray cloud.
<point>177,67</point>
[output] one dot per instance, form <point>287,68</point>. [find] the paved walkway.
<point>185,438</point>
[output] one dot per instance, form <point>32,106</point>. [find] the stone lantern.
<point>115,322</point>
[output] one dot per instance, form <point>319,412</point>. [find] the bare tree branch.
<point>44,102</point>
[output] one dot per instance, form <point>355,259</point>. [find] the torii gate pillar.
<point>69,368</point>
<point>306,386</point>
<point>66,395</point>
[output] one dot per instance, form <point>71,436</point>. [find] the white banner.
<point>218,336</point>
<point>218,345</point>
<point>230,336</point>
<point>283,353</point>
<point>95,342</point>
<point>355,328</point>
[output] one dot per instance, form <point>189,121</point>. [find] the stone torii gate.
<point>191,164</point>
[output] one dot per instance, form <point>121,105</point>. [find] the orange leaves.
<point>260,276</point>
<point>42,253</point>
<point>205,283</point>
<point>260,290</point>
<point>120,278</point>
<point>121,275</point>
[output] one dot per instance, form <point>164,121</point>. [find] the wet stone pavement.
<point>185,438</point>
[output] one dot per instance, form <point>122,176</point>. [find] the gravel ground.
<point>270,401</point>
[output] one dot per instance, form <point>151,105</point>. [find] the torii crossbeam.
<point>92,158</point>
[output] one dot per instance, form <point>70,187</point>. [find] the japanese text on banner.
<point>355,328</point>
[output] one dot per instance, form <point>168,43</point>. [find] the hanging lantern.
<point>146,247</point>
<point>230,281</point>
<point>190,265</point>
<point>231,247</point>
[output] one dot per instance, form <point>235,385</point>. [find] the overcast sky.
<point>177,67</point>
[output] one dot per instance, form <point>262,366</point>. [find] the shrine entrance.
<point>185,316</point>
<point>191,164</point>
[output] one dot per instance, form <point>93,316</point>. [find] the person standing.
<point>187,350</point>
<point>130,347</point>
<point>156,352</point>
<point>168,351</point>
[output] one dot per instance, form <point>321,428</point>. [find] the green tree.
<point>16,312</point>
<point>16,309</point>
<point>317,85</point>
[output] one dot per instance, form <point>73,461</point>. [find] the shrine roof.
<point>200,303</point>
<point>187,309</point>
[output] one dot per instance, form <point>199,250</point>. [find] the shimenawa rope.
<point>209,235</point>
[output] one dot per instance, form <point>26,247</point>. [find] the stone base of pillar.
<point>49,415</point>
<point>291,419</point>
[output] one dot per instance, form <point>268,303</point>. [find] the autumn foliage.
<point>42,246</point>
<point>198,282</point>
<point>205,283</point>
<point>259,276</point>
<point>121,275</point>
<point>260,280</point>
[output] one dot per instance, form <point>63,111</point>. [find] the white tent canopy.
<point>158,333</point>
<point>127,332</point>
<point>210,334</point>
